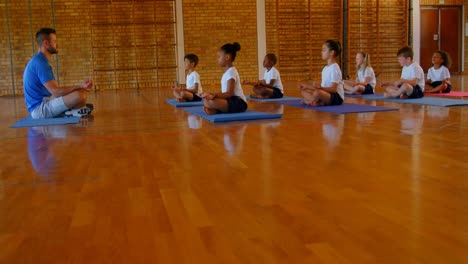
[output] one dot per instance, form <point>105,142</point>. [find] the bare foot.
<point>209,111</point>
<point>181,100</point>
<point>404,96</point>
<point>387,95</point>
<point>444,87</point>
<point>317,103</point>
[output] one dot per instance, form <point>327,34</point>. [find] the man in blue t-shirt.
<point>43,97</point>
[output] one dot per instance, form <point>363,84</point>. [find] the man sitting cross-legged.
<point>44,98</point>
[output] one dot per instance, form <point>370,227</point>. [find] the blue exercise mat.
<point>435,101</point>
<point>284,98</point>
<point>345,108</point>
<point>247,115</point>
<point>175,103</point>
<point>355,95</point>
<point>373,96</point>
<point>30,122</point>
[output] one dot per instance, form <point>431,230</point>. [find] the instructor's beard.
<point>52,50</point>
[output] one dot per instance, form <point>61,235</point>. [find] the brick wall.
<point>296,31</point>
<point>74,40</point>
<point>123,44</point>
<point>5,69</point>
<point>379,28</point>
<point>210,24</point>
<point>133,43</point>
<point>138,50</point>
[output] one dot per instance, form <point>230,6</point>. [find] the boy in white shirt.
<point>193,88</point>
<point>271,85</point>
<point>438,77</point>
<point>411,83</point>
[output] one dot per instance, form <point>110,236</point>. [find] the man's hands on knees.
<point>56,91</point>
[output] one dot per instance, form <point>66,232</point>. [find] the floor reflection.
<point>194,122</point>
<point>40,145</point>
<point>412,120</point>
<point>365,120</point>
<point>332,130</point>
<point>437,112</point>
<point>234,138</point>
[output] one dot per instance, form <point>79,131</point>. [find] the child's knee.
<point>406,86</point>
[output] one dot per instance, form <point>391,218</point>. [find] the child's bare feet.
<point>181,100</point>
<point>209,111</point>
<point>317,103</point>
<point>404,96</point>
<point>444,87</point>
<point>387,95</point>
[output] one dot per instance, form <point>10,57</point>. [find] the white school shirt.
<point>332,74</point>
<point>273,74</point>
<point>438,75</point>
<point>232,73</point>
<point>192,79</point>
<point>368,72</point>
<point>414,71</point>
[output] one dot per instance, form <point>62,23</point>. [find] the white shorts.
<point>49,108</point>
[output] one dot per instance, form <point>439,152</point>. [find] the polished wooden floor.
<point>144,182</point>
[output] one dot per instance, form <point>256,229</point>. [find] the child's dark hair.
<point>446,57</point>
<point>231,49</point>
<point>272,58</point>
<point>334,45</point>
<point>406,52</point>
<point>192,58</point>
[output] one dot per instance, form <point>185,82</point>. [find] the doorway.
<point>441,29</point>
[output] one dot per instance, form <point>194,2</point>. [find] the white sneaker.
<point>84,111</point>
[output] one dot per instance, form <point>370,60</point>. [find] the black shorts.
<point>435,84</point>
<point>277,93</point>
<point>335,99</point>
<point>417,92</point>
<point>368,89</point>
<point>236,104</point>
<point>196,98</point>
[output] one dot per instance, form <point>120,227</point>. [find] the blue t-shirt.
<point>37,72</point>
